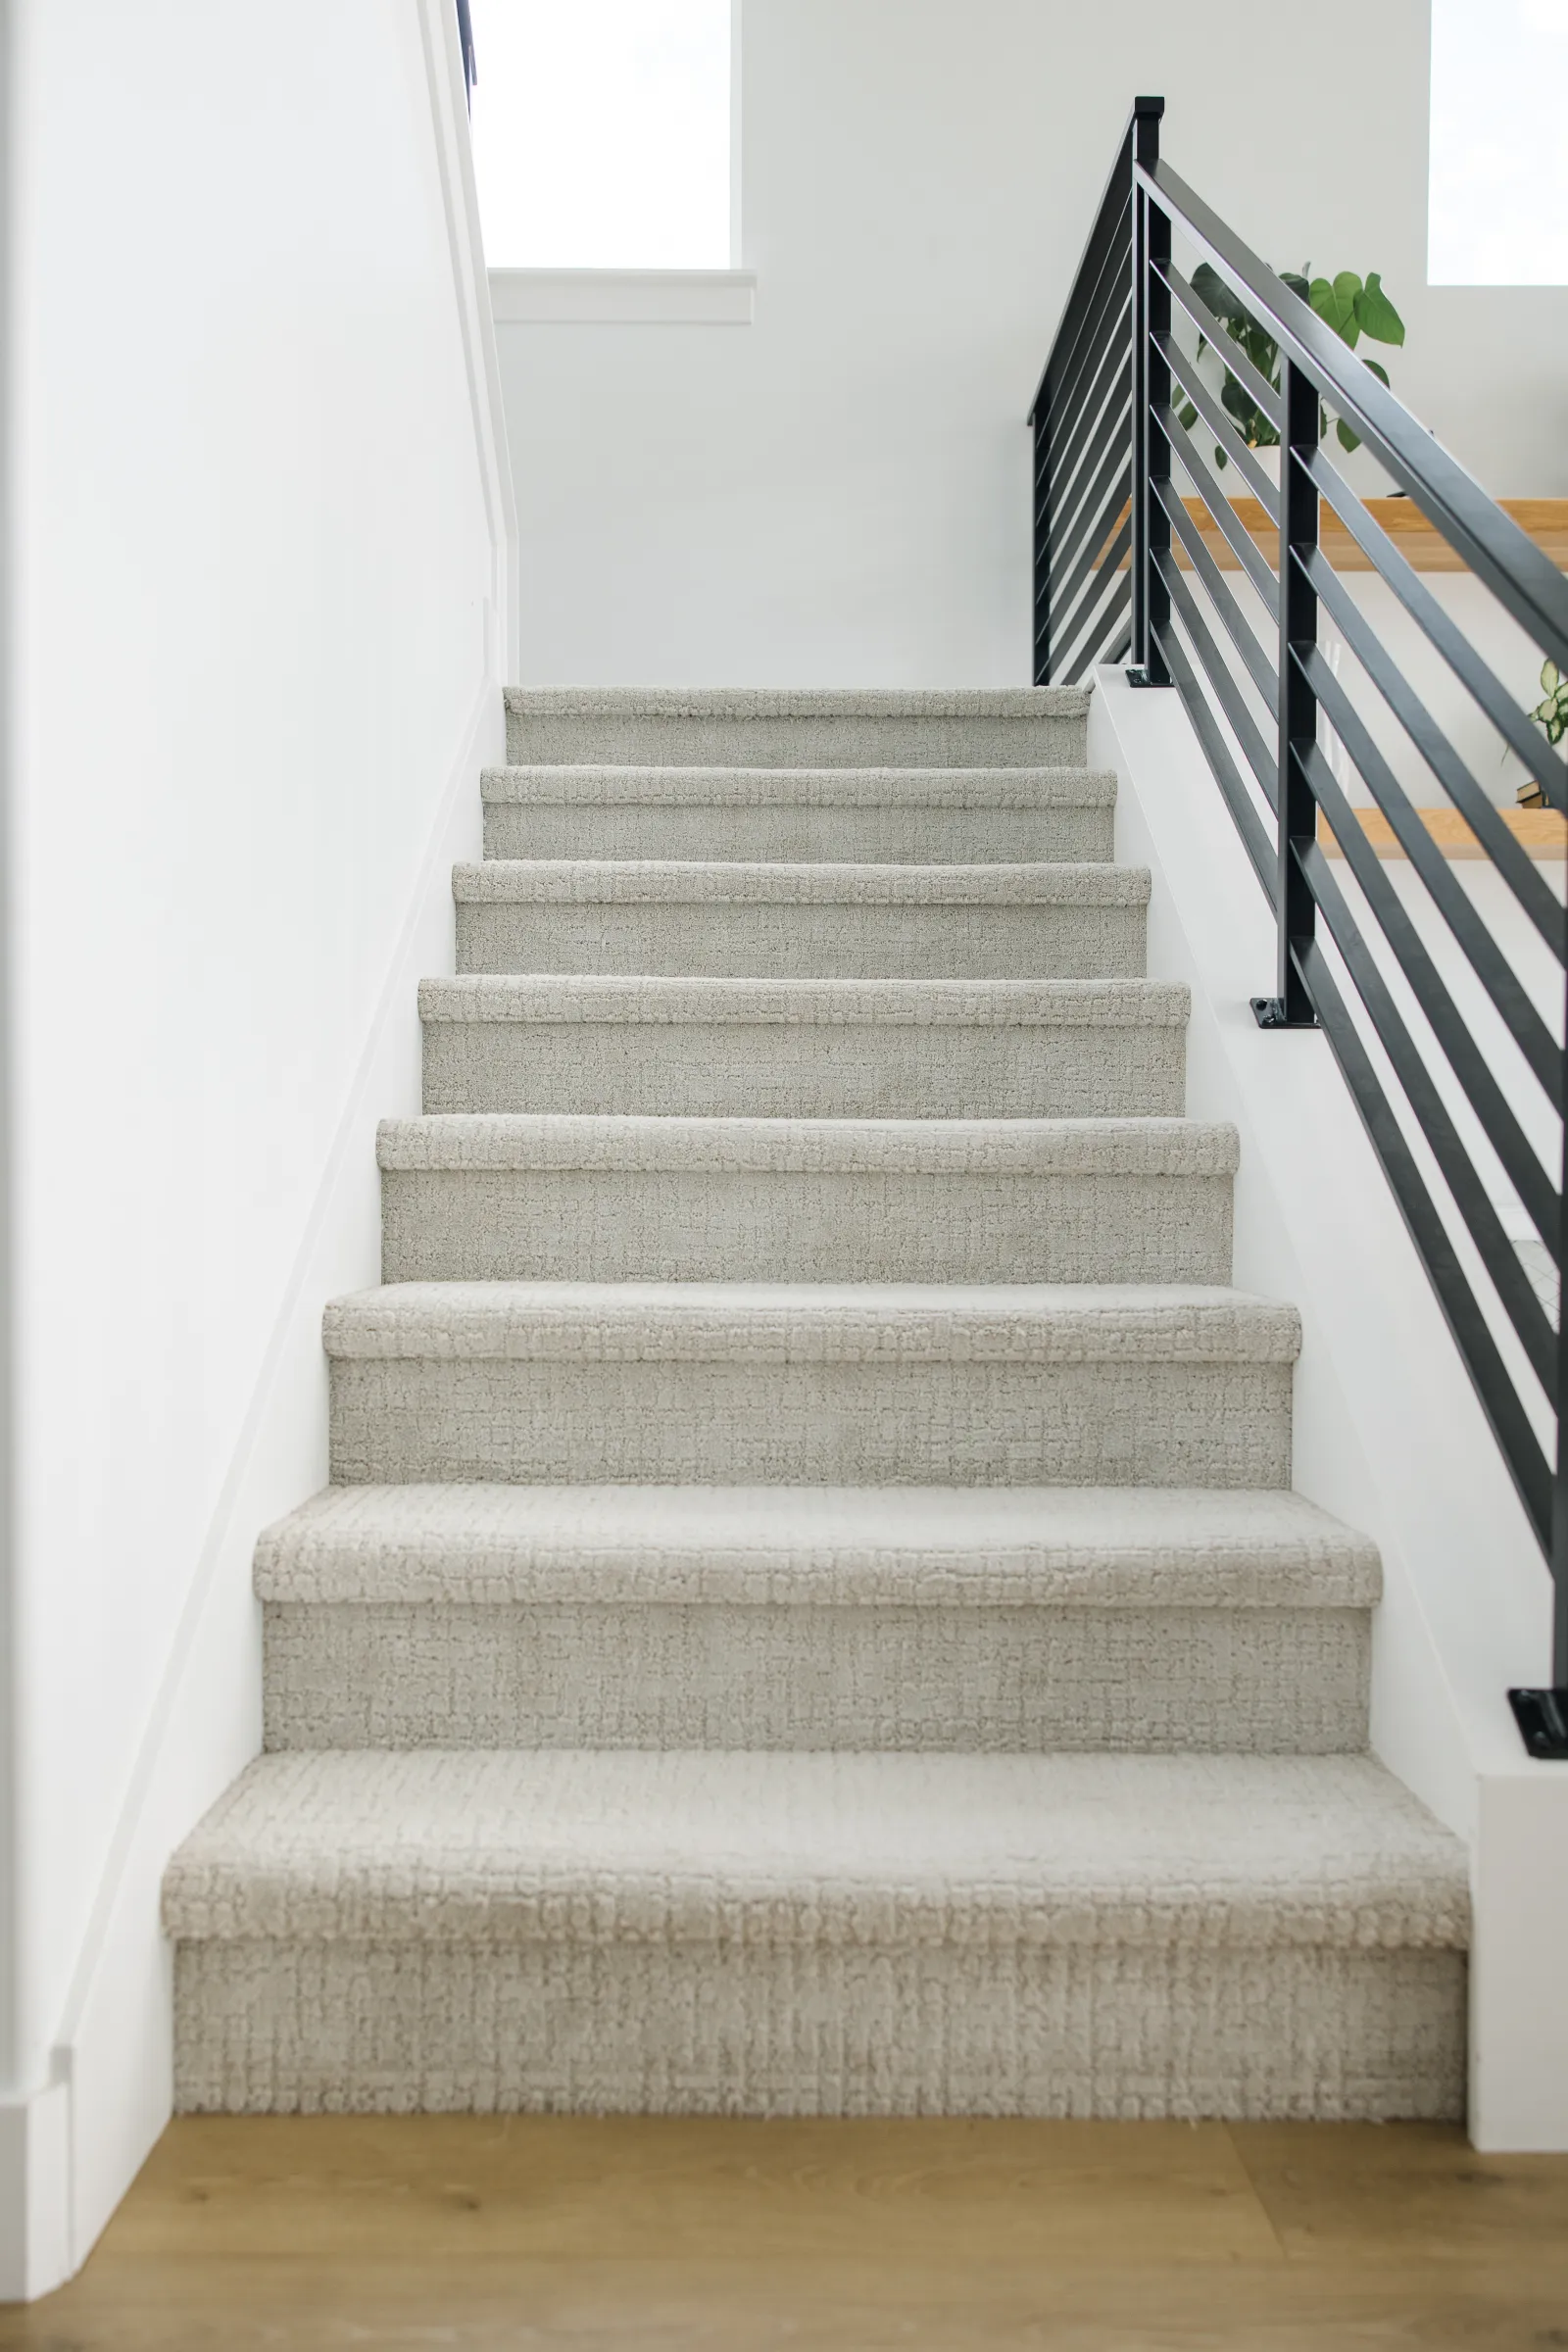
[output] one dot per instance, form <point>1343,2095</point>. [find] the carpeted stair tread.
<point>839,703</point>
<point>587,784</point>
<point>1111,1547</point>
<point>774,727</point>
<point>503,1140</point>
<point>604,1847</point>
<point>1041,1323</point>
<point>817,1003</point>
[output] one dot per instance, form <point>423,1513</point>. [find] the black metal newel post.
<point>1290,1007</point>
<point>1043,511</point>
<point>1147,662</point>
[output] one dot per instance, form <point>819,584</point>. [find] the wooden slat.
<point>1540,831</point>
<point>1545,519</point>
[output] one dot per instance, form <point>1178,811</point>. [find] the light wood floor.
<point>471,2233</point>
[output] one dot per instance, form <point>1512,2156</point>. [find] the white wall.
<point>258,573</point>
<point>838,494</point>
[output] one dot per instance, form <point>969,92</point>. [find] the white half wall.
<point>1389,1434</point>
<point>840,494</point>
<point>261,580</point>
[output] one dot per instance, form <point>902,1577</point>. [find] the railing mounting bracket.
<point>1542,1720</point>
<point>1141,677</point>
<point>1269,1012</point>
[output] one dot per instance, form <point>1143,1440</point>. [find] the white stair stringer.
<point>810,1616</point>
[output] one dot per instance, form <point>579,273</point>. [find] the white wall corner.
<point>1389,1434</point>
<point>34,2194</point>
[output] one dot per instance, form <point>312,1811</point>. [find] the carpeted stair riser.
<point>291,2027</point>
<point>479,1200</point>
<point>725,1388</point>
<point>1270,1681</point>
<point>782,1049</point>
<point>1113,1935</point>
<point>936,816</point>
<point>1014,727</point>
<point>803,923</point>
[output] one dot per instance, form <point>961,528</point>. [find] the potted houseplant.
<point>1354,307</point>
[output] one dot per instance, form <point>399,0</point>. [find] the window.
<point>1499,152</point>
<point>601,133</point>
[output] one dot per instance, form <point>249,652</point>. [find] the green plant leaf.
<point>1211,287</point>
<point>1376,313</point>
<point>1301,285</point>
<point>1187,418</point>
<point>1348,438</point>
<point>1550,677</point>
<point>1335,304</point>
<point>1373,368</point>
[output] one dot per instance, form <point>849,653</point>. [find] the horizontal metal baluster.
<point>1259,668</point>
<point>1265,393</point>
<point>1095,589</point>
<point>1499,1399</point>
<point>1238,538</point>
<point>1508,995</point>
<point>1525,581</point>
<point>1113,612</point>
<point>1445,633</point>
<point>1093,497</point>
<point>1072,498</point>
<point>1261,755</point>
<point>1243,810</point>
<point>1470,1194</point>
<point>1091,543</point>
<point>1469,1065</point>
<point>1109,394</point>
<point>1221,425</point>
<point>1511,859</point>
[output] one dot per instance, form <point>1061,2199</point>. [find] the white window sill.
<point>622,297</point>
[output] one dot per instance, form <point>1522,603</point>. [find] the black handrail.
<point>1123,571</point>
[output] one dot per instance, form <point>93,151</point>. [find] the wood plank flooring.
<point>469,2234</point>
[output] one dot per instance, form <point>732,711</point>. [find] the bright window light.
<point>600,133</point>
<point>1500,143</point>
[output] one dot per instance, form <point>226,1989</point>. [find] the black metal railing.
<point>1129,566</point>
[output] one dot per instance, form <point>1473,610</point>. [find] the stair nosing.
<point>819,1848</point>
<point>656,1000</point>
<point>465,1142</point>
<point>706,882</point>
<point>1035,1323</point>
<point>926,1548</point>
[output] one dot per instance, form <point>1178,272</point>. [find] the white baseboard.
<point>35,2192</point>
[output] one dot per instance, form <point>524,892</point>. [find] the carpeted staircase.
<point>810,1615</point>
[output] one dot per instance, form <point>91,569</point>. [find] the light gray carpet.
<point>811,1616</point>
